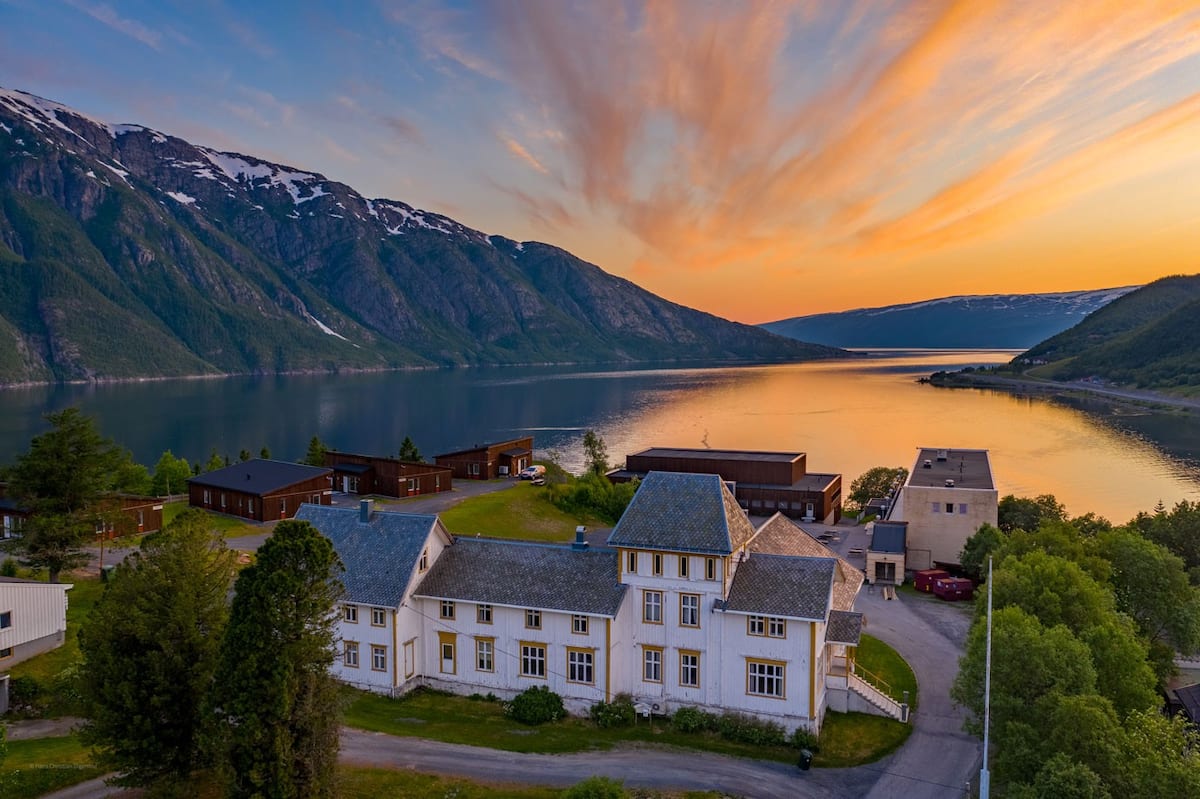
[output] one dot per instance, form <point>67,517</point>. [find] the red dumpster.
<point>952,589</point>
<point>924,579</point>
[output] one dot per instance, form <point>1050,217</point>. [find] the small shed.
<point>923,580</point>
<point>953,589</point>
<point>885,555</point>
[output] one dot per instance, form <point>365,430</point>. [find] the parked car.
<point>530,472</point>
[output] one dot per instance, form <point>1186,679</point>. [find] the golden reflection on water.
<point>850,416</point>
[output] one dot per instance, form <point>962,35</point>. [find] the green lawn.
<point>227,526</point>
<point>851,739</point>
<point>368,783</point>
<point>883,661</point>
<point>37,767</point>
<point>521,511</point>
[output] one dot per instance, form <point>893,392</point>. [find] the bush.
<point>618,713</point>
<point>803,739</point>
<point>596,788</point>
<point>8,568</point>
<point>690,719</point>
<point>749,730</point>
<point>536,705</point>
<point>23,695</point>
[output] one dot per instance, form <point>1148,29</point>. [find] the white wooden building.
<point>687,605</point>
<point>33,620</point>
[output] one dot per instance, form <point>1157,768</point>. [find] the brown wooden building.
<point>116,515</point>
<point>763,482</point>
<point>261,490</point>
<point>489,461</point>
<point>389,477</point>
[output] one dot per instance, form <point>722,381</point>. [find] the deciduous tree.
<point>275,701</point>
<point>1022,513</point>
<point>170,475</point>
<point>150,650</point>
<point>875,482</point>
<point>595,453</point>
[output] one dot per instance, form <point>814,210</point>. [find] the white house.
<point>947,496</point>
<point>33,620</point>
<point>688,604</point>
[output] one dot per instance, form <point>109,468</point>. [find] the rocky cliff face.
<point>125,252</point>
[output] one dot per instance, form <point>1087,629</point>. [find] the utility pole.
<point>985,778</point>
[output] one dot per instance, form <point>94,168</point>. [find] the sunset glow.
<point>757,160</point>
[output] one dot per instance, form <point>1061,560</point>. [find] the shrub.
<point>8,568</point>
<point>536,705</point>
<point>618,713</point>
<point>803,739</point>
<point>749,730</point>
<point>23,695</point>
<point>596,788</point>
<point>690,719</point>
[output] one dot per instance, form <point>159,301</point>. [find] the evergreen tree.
<point>170,475</point>
<point>244,455</point>
<point>275,701</point>
<point>150,650</point>
<point>215,461</point>
<point>409,451</point>
<point>316,452</point>
<point>265,453</point>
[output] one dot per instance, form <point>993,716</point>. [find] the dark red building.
<point>489,461</point>
<point>763,482</point>
<point>261,490</point>
<point>116,515</point>
<point>389,477</point>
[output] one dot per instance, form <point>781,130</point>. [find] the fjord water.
<point>847,415</point>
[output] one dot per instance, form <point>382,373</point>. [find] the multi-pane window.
<point>776,628</point>
<point>533,660</point>
<point>350,613</point>
<point>533,619</point>
<point>657,562</point>
<point>683,565</point>
<point>689,610</point>
<point>379,658</point>
<point>772,627</point>
<point>350,654</point>
<point>651,665</point>
<point>579,625</point>
<point>579,666</point>
<point>689,669</point>
<point>485,651</point>
<point>764,678</point>
<point>483,614</point>
<point>424,564</point>
<point>710,568</point>
<point>631,562</point>
<point>447,609</point>
<point>378,617</point>
<point>756,625</point>
<point>652,607</point>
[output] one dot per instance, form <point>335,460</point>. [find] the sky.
<point>758,160</point>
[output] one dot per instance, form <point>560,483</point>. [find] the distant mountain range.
<point>994,321</point>
<point>1149,338</point>
<point>125,252</point>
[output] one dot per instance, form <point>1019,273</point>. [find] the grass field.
<point>368,783</point>
<point>37,767</point>
<point>521,511</point>
<point>851,739</point>
<point>227,526</point>
<point>883,661</point>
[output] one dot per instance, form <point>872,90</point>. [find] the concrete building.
<point>949,494</point>
<point>687,605</point>
<point>33,620</point>
<point>886,553</point>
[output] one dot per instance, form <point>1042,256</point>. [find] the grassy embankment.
<point>522,511</point>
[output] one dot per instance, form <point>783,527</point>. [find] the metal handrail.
<point>876,682</point>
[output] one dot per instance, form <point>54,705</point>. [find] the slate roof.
<point>682,512</point>
<point>527,575</point>
<point>779,585</point>
<point>352,468</point>
<point>379,556</point>
<point>844,628</point>
<point>260,476</point>
<point>889,537</point>
<point>779,535</point>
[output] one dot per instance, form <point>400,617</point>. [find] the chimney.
<point>365,508</point>
<point>580,541</point>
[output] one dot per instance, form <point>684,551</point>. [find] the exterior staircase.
<point>876,698</point>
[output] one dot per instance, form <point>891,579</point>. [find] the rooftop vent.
<point>949,484</point>
<point>580,539</point>
<point>943,454</point>
<point>365,508</point>
<point>928,464</point>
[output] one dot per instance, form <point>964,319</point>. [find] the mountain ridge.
<point>126,252</point>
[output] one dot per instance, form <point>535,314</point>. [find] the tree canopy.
<point>170,475</point>
<point>1023,513</point>
<point>595,453</point>
<point>316,452</point>
<point>150,651</point>
<point>877,481</point>
<point>409,451</point>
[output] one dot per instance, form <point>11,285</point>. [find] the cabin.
<point>33,620</point>
<point>389,477</point>
<point>948,495</point>
<point>489,461</point>
<point>261,490</point>
<point>116,515</point>
<point>885,555</point>
<point>688,605</point>
<point>762,482</point>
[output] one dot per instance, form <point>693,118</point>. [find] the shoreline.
<point>1038,387</point>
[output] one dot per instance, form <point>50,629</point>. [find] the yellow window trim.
<point>656,564</point>
<point>695,626</point>
<point>373,648</point>
<point>384,617</point>
<point>659,650</point>
<point>345,665</point>
<point>765,662</point>
<point>411,646</point>
<point>685,653</point>
<point>587,623</point>
<point>491,610</point>
<point>529,626</point>
<point>582,650</point>
<point>487,639</point>
<point>645,593</point>
<point>442,609</point>
<point>451,640</point>
<point>685,570</point>
<point>521,658</point>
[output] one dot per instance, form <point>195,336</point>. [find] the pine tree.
<point>275,701</point>
<point>316,452</point>
<point>409,451</point>
<point>265,453</point>
<point>150,650</point>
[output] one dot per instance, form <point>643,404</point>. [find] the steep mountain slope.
<point>1001,321</point>
<point>125,252</point>
<point>1149,338</point>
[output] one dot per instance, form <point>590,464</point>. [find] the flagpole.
<point>985,778</point>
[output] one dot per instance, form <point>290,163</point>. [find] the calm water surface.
<point>847,415</point>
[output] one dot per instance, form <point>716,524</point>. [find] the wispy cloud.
<point>105,14</point>
<point>250,39</point>
<point>518,150</point>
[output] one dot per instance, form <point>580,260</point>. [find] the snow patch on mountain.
<point>326,329</point>
<point>302,186</point>
<point>180,197</point>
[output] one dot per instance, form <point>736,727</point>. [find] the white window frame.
<point>689,669</point>
<point>689,610</point>
<point>533,660</point>
<point>765,678</point>
<point>652,658</point>
<point>350,654</point>
<point>378,657</point>
<point>579,624</point>
<point>756,625</point>
<point>581,666</point>
<point>350,614</point>
<point>652,602</point>
<point>485,654</point>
